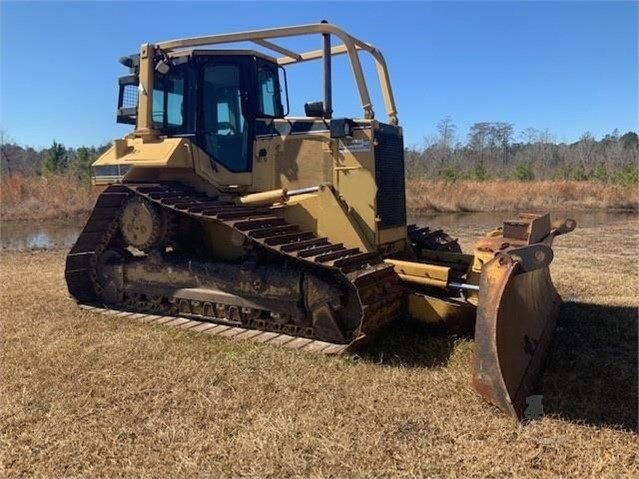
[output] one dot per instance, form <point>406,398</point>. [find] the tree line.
<point>492,150</point>
<point>57,158</point>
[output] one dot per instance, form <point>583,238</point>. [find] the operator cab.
<point>213,97</point>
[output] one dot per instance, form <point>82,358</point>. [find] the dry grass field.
<point>65,196</point>
<point>45,197</point>
<point>423,196</point>
<point>83,394</point>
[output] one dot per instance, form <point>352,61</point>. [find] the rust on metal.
<point>516,315</point>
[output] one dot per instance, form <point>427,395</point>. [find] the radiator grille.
<point>389,174</point>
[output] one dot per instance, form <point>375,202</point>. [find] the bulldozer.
<point>224,211</point>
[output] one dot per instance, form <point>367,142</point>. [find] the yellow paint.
<point>167,152</point>
<point>432,310</point>
<point>421,273</point>
<point>321,213</point>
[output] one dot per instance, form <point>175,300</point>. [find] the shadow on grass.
<point>409,344</point>
<point>590,374</point>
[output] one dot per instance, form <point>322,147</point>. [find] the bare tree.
<point>446,129</point>
<point>5,164</point>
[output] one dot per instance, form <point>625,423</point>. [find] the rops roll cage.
<point>349,46</point>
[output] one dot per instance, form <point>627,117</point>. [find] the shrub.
<point>524,172</point>
<point>573,173</point>
<point>599,172</point>
<point>627,176</point>
<point>450,174</point>
<point>478,171</point>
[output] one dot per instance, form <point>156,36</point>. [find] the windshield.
<point>169,102</point>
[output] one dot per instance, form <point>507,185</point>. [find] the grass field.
<point>45,197</point>
<point>83,394</point>
<point>423,196</point>
<point>65,196</point>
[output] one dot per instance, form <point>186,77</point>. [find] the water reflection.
<point>20,235</point>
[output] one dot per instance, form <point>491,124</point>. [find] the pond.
<point>47,234</point>
<point>21,235</point>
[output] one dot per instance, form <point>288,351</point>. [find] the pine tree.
<point>81,163</point>
<point>55,159</point>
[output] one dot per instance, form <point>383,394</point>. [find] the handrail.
<point>350,46</point>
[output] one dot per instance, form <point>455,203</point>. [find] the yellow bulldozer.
<point>221,208</point>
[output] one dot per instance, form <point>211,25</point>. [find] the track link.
<point>229,331</point>
<point>373,284</point>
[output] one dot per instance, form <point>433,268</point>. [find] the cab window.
<point>224,124</point>
<point>270,104</point>
<point>168,100</point>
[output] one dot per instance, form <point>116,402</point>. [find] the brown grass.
<point>45,197</point>
<point>64,196</point>
<point>87,395</point>
<point>429,196</point>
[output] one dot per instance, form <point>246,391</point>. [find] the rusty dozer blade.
<point>517,311</point>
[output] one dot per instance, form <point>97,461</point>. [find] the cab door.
<point>225,127</point>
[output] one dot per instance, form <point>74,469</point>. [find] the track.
<point>235,332</point>
<point>374,289</point>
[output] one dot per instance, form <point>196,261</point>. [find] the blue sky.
<point>569,67</point>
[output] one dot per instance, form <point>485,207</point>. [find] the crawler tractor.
<point>222,212</point>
